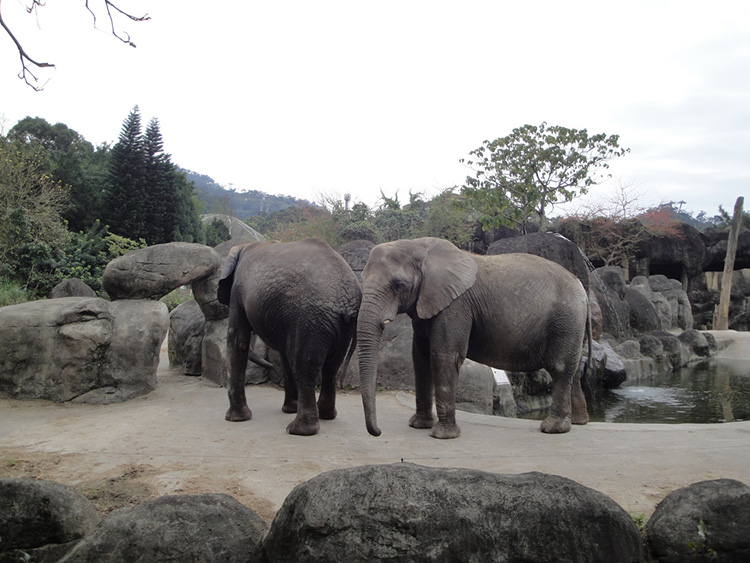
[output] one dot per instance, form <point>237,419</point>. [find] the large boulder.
<point>205,289</point>
<point>71,287</point>
<point>706,521</point>
<point>238,229</point>
<point>609,287</point>
<point>206,528</point>
<point>186,327</point>
<point>80,348</point>
<point>154,271</point>
<point>551,246</point>
<point>407,513</point>
<point>356,253</point>
<point>41,519</point>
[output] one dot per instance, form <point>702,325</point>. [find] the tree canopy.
<point>518,178</point>
<point>147,196</point>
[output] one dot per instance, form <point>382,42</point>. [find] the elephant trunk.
<point>369,335</point>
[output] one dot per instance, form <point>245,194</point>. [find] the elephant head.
<point>419,277</point>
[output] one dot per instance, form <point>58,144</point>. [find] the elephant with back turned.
<point>301,298</point>
<point>517,312</point>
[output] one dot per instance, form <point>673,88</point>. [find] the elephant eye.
<point>398,286</point>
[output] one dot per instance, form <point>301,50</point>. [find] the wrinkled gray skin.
<point>301,298</point>
<point>517,312</point>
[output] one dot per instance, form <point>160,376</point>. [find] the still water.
<point>708,392</point>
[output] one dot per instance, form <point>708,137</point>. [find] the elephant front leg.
<point>424,417</point>
<point>446,379</point>
<point>238,345</point>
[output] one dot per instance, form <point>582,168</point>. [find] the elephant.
<point>517,312</point>
<point>302,299</point>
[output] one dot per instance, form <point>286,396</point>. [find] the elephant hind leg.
<point>305,376</point>
<point>579,411</point>
<point>238,346</point>
<point>559,419</point>
<point>327,397</point>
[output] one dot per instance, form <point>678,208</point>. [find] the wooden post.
<point>721,322</point>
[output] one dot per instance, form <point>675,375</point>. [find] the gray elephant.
<point>301,298</point>
<point>517,312</point>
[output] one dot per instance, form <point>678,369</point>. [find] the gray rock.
<point>475,388</point>
<point>610,368</point>
<point>205,528</point>
<point>395,366</point>
<point>644,317</point>
<point>698,343</point>
<point>407,513</point>
<point>80,348</point>
<point>238,230</point>
<point>154,271</point>
<point>706,521</point>
<point>72,287</point>
<point>186,326</point>
<point>36,513</point>
<point>356,253</point>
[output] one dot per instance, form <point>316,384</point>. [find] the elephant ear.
<point>447,273</point>
<point>227,275</point>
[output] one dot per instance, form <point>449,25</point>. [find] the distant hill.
<point>242,205</point>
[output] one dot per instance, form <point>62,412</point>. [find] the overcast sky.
<point>305,98</point>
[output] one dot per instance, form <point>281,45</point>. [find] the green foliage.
<point>11,293</point>
<point>175,298</point>
<point>31,204</point>
<point>724,219</point>
<point>640,521</point>
<point>70,160</point>
<point>84,257</point>
<point>519,177</point>
<point>216,232</point>
<point>700,548</point>
<point>448,219</point>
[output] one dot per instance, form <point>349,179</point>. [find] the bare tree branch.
<point>27,63</point>
<point>110,6</point>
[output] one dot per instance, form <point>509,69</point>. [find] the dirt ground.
<point>175,440</point>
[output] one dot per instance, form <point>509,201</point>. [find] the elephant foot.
<point>580,418</point>
<point>239,415</point>
<point>555,425</point>
<point>421,421</point>
<point>444,431</point>
<point>327,413</point>
<point>302,428</point>
<point>290,407</point>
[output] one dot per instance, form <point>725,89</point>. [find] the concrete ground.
<point>176,440</point>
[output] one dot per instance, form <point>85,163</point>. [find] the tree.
<point>519,177</point>
<point>72,161</point>
<point>28,63</point>
<point>124,207</point>
<point>31,204</point>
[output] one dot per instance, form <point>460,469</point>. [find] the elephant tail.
<point>588,377</point>
<point>349,354</point>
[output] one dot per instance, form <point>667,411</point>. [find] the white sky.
<point>306,98</point>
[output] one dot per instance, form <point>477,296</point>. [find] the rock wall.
<point>400,512</point>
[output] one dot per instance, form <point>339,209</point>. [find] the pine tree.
<point>149,198</point>
<point>161,200</point>
<point>124,207</point>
